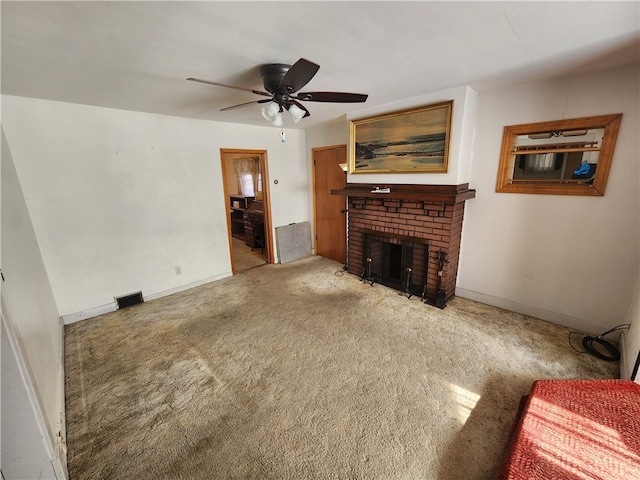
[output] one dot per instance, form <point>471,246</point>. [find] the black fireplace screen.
<point>396,261</point>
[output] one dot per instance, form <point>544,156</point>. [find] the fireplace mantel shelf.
<point>448,194</point>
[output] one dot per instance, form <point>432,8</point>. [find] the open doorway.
<point>246,189</point>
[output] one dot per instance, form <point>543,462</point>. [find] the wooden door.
<point>330,210</point>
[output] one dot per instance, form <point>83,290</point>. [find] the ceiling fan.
<point>282,83</point>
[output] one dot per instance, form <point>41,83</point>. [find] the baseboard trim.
<point>628,362</point>
<point>568,321</point>
<point>188,286</point>
<point>89,313</point>
<point>58,465</point>
<point>625,371</point>
<point>60,462</point>
<point>59,469</point>
<point>113,306</point>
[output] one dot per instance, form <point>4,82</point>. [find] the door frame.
<point>266,199</point>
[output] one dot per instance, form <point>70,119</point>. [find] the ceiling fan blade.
<point>298,75</point>
<point>257,92</point>
<point>245,104</point>
<point>300,106</point>
<point>336,97</point>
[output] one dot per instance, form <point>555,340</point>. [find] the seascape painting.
<point>410,141</point>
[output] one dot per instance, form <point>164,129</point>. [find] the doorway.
<point>246,192</point>
<point>330,211</point>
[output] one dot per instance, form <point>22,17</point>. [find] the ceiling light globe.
<point>271,112</point>
<point>278,120</point>
<point>296,113</point>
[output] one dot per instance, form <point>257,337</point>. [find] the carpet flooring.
<point>301,371</point>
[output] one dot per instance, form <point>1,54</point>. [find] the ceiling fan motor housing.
<point>272,75</point>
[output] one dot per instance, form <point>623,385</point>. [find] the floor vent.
<point>129,300</point>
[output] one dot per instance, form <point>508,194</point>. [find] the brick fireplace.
<point>414,215</point>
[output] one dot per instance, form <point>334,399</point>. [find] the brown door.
<point>330,210</point>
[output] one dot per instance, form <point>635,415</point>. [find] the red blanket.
<point>576,430</point>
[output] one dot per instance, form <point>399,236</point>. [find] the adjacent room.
<point>369,240</point>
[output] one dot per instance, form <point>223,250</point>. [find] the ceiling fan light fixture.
<point>296,113</point>
<point>278,121</point>
<point>272,113</point>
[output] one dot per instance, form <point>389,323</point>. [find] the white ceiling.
<point>137,55</point>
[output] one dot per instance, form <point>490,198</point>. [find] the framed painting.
<point>407,141</point>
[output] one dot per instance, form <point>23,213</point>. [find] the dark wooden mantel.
<point>448,194</point>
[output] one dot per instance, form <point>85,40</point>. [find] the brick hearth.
<point>428,212</point>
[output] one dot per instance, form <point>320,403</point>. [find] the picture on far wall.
<point>407,141</point>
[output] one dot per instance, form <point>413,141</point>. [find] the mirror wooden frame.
<point>593,187</point>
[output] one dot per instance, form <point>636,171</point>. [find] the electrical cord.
<point>612,353</point>
<point>624,326</point>
<point>595,345</point>
<point>571,344</point>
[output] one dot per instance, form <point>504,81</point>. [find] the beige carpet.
<point>301,371</point>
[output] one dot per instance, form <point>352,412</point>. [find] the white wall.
<point>32,370</point>
<point>118,199</point>
<point>328,134</point>
<point>568,259</point>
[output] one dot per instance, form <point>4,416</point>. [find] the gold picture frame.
<point>407,141</point>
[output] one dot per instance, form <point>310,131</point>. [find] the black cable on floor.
<point>571,344</point>
<point>613,353</point>
<point>597,346</point>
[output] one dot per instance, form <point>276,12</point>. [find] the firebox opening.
<point>394,261</point>
<point>397,262</point>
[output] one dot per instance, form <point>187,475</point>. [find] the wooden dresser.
<point>256,209</point>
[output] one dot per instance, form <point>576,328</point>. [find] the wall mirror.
<point>563,157</point>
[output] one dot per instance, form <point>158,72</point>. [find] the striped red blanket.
<point>576,430</point>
